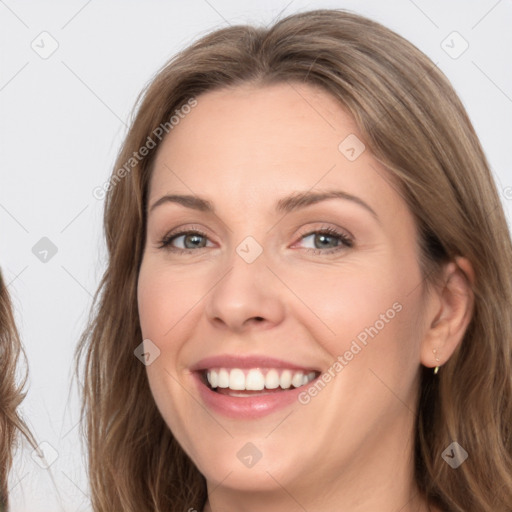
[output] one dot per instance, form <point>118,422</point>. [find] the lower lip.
<point>250,407</point>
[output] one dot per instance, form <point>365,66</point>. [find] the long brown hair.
<point>11,391</point>
<point>414,124</point>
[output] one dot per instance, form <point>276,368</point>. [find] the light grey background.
<point>62,119</point>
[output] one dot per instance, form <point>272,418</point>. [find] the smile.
<point>238,381</point>
<point>247,387</point>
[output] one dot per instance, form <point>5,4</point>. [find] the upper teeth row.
<point>257,379</point>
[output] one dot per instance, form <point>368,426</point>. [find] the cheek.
<point>153,297</point>
<point>373,339</point>
<point>368,312</point>
<point>344,301</point>
<point>165,300</point>
<point>162,303</point>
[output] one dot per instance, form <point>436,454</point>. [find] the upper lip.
<point>247,361</point>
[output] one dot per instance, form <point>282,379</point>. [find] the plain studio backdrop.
<point>69,75</point>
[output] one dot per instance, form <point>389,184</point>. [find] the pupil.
<point>193,237</point>
<point>323,237</point>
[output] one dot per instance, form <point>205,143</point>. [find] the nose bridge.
<point>245,290</point>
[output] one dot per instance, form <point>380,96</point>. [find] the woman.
<point>230,366</point>
<point>10,391</point>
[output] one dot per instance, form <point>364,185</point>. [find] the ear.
<point>451,310</point>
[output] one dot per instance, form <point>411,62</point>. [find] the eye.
<point>328,240</point>
<point>325,240</point>
<point>193,239</point>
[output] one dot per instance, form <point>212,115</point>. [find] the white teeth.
<point>297,379</point>
<point>213,379</point>
<point>272,379</point>
<point>237,379</point>
<point>286,379</point>
<point>257,379</point>
<point>223,380</point>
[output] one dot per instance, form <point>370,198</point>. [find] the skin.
<point>350,448</point>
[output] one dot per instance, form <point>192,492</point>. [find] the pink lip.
<point>250,407</point>
<point>230,361</point>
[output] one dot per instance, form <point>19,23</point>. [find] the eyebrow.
<point>287,204</point>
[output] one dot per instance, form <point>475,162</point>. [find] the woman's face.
<point>263,295</point>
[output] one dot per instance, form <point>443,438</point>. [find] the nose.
<point>247,296</point>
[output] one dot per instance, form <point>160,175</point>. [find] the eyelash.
<point>346,241</point>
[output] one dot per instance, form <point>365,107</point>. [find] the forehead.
<point>287,116</point>
<point>250,143</point>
